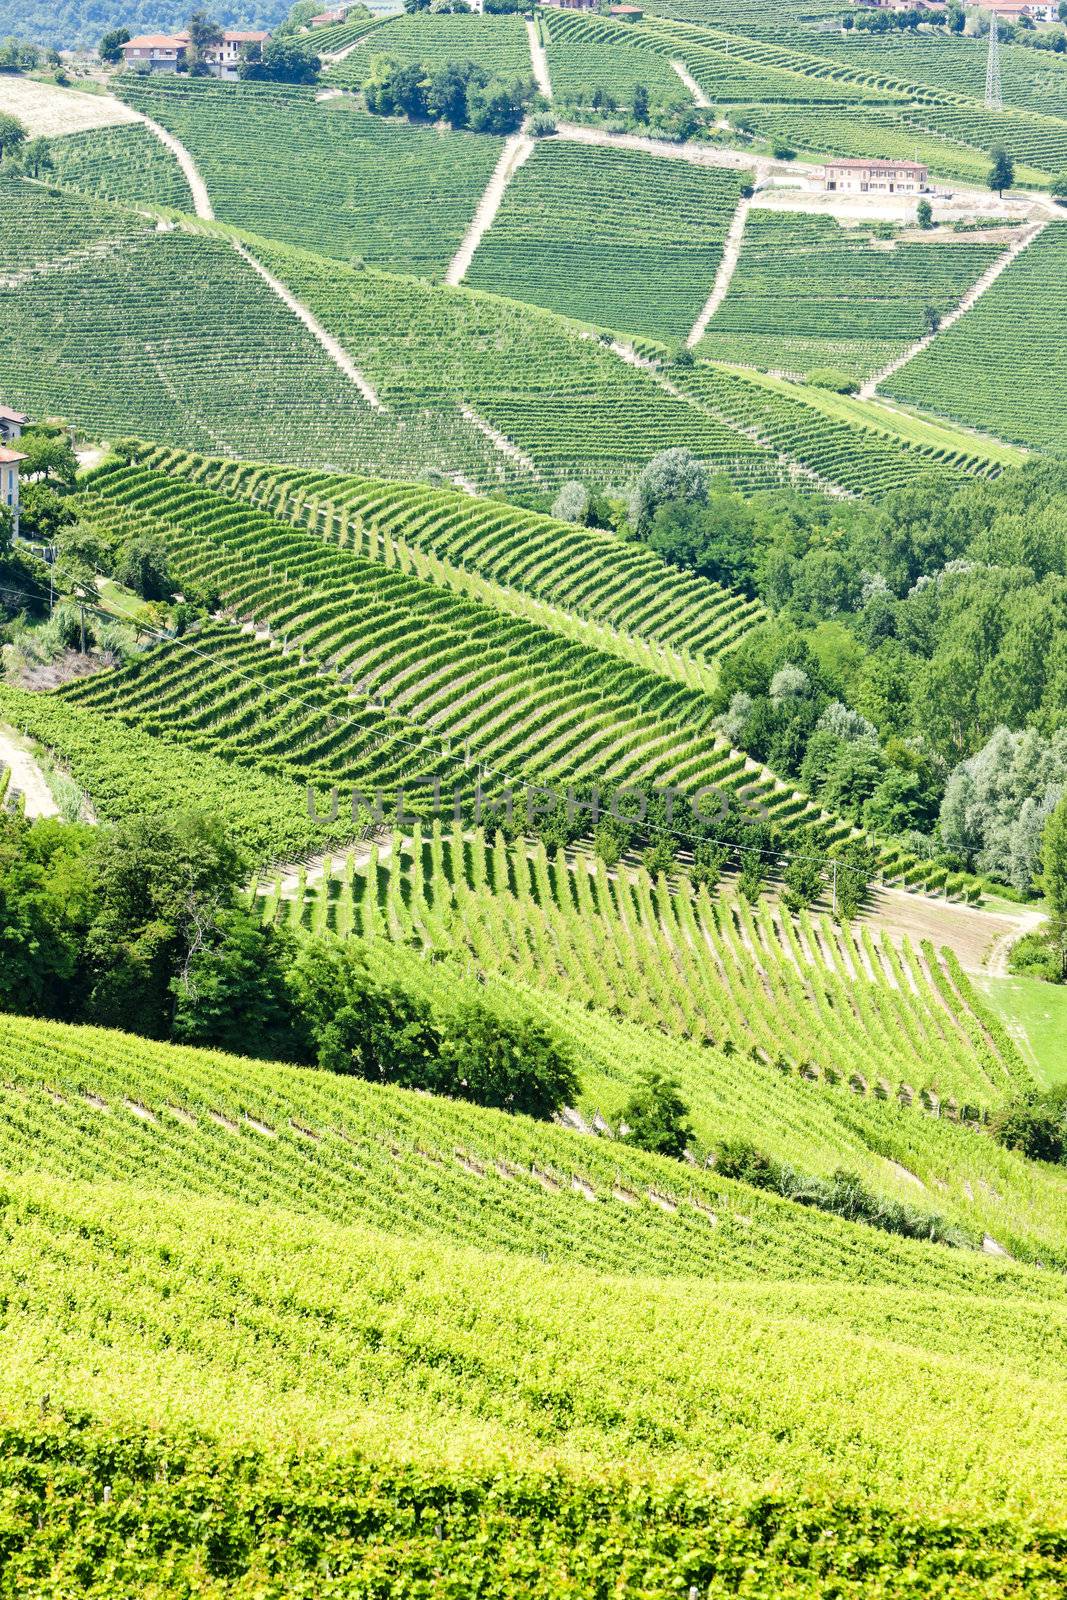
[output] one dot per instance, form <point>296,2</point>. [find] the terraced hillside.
<point>623,240</point>
<point>102,332</point>
<point>587,54</point>
<point>497,43</point>
<point>970,372</point>
<point>126,163</point>
<point>350,185</point>
<point>808,292</point>
<point>621,591</point>
<point>472,683</point>
<point>862,461</point>
<point>562,402</point>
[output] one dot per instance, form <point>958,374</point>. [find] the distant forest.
<point>78,24</point>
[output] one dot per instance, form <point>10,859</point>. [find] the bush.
<point>831,378</point>
<point>1035,1124</point>
<point>656,1116</point>
<point>512,1063</point>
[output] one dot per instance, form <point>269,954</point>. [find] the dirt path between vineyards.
<point>26,776</point>
<point>201,199</point>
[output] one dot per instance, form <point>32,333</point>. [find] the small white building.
<point>851,176</point>
<point>11,424</point>
<point>9,482</point>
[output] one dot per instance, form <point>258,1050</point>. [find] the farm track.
<point>517,150</point>
<point>336,352</point>
<point>971,298</point>
<point>201,199</point>
<point>700,99</point>
<point>27,778</point>
<point>538,61</point>
<point>731,252</point>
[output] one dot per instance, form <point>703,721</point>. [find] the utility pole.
<point>834,890</point>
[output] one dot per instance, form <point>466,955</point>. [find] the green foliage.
<point>844,1195</point>
<point>831,378</point>
<point>657,1117</point>
<point>283,60</point>
<point>1001,171</point>
<point>1036,1124</point>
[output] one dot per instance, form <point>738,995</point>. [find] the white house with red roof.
<point>9,481</point>
<point>11,424</point>
<point>868,176</point>
<point>166,52</point>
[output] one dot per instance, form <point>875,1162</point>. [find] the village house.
<point>851,176</point>
<point>9,482</point>
<point>11,424</point>
<point>574,5</point>
<point>166,52</point>
<point>158,52</point>
<point>626,13</point>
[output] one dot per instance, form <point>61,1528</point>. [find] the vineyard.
<point>620,590</point>
<point>969,373</point>
<point>472,683</point>
<point>103,335</point>
<point>125,163</point>
<point>563,403</point>
<point>858,461</point>
<point>498,44</point>
<point>589,53</point>
<point>350,185</point>
<point>622,240</point>
<point>809,293</point>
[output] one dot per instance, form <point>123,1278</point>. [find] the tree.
<point>855,866</point>
<point>1061,11</point>
<point>1054,860</point>
<point>640,103</point>
<point>572,503</point>
<point>141,564</point>
<point>161,884</point>
<point>1035,1124</point>
<point>231,992</point>
<point>498,107</point>
<point>46,900</point>
<point>49,457</point>
<point>924,215</point>
<point>1058,187</point>
<point>513,1063</point>
<point>204,33</point>
<point>931,318</point>
<point>673,474</point>
<point>12,136</point>
<point>1002,171</point>
<point>284,60</point>
<point>36,158</point>
<point>803,881</point>
<point>111,45</point>
<point>657,1117</point>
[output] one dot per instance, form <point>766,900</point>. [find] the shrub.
<point>656,1116</point>
<point>831,378</point>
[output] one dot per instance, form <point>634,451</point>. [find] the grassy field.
<point>1039,1011</point>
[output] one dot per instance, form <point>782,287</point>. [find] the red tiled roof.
<point>8,457</point>
<point>173,41</point>
<point>245,36</point>
<point>12,416</point>
<point>873,162</point>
